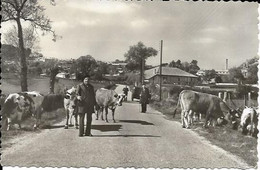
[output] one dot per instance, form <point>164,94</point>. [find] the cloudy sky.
<point>209,32</point>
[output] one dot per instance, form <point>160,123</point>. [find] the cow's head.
<point>72,97</point>
<point>120,98</point>
<point>71,93</point>
<point>14,101</point>
<point>233,118</point>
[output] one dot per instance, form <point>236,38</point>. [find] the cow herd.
<point>18,106</point>
<point>216,112</point>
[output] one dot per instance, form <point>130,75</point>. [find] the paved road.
<point>135,140</point>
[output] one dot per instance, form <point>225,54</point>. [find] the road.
<point>140,140</point>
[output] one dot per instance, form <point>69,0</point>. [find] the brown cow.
<point>191,101</point>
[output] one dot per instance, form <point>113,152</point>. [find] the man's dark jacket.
<point>145,96</point>
<point>88,100</point>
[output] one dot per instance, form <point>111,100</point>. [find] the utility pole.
<point>143,63</point>
<point>161,70</point>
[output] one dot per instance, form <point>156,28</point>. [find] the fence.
<point>229,97</point>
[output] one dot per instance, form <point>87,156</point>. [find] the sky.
<point>209,32</point>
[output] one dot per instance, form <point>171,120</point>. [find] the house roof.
<point>167,71</point>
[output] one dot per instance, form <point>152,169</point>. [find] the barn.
<point>170,75</point>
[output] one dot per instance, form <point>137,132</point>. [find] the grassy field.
<point>11,84</point>
<point>230,140</point>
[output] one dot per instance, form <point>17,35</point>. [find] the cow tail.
<point>174,112</point>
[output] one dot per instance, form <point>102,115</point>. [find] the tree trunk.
<point>23,79</point>
<point>54,72</point>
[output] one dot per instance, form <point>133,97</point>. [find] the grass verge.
<point>47,121</point>
<point>230,140</point>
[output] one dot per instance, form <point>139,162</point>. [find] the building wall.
<point>174,80</point>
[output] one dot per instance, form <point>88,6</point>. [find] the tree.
<point>31,41</point>
<point>102,68</point>
<point>172,64</point>
<point>218,79</point>
<point>137,55</point>
<point>86,65</point>
<point>194,68</point>
<point>210,74</point>
<point>235,75</point>
<point>25,10</point>
<point>178,64</point>
<point>194,62</point>
<point>186,66</point>
<point>252,74</point>
<point>53,72</point>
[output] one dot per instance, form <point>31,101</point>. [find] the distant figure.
<point>144,98</point>
<point>125,90</point>
<point>87,101</point>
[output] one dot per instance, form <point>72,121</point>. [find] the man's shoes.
<point>88,134</point>
<point>80,135</point>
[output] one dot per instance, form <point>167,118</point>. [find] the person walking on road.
<point>125,90</point>
<point>144,98</point>
<point>87,102</point>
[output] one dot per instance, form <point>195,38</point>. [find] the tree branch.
<point>22,4</point>
<point>8,2</point>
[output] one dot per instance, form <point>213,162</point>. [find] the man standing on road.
<point>125,90</point>
<point>87,101</point>
<point>144,98</point>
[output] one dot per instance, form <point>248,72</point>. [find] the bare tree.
<point>31,40</point>
<point>25,10</point>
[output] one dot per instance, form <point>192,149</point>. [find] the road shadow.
<point>52,126</point>
<point>137,122</point>
<point>106,128</point>
<point>152,113</point>
<point>130,136</point>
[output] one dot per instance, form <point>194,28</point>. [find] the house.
<point>62,75</point>
<point>170,75</point>
<point>222,72</point>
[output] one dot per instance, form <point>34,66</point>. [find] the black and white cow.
<point>249,121</point>
<point>70,106</point>
<point>12,110</point>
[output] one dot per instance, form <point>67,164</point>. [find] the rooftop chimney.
<point>226,64</point>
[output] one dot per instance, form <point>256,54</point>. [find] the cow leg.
<point>102,110</point>
<point>182,118</point>
<point>76,121</point>
<point>206,120</point>
<point>97,114</point>
<point>185,119</point>
<point>252,124</point>
<point>19,119</point>
<point>106,110</point>
<point>38,118</point>
<point>4,123</point>
<point>113,115</point>
<point>8,123</point>
<point>71,124</point>
<point>190,118</point>
<point>67,118</point>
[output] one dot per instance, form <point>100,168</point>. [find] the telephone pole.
<point>161,70</point>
